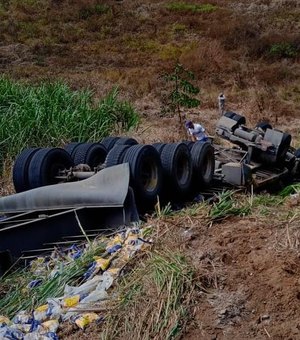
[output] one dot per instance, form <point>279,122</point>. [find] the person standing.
<point>221,101</point>
<point>196,131</point>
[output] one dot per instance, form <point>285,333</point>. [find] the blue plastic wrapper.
<point>74,252</point>
<point>11,334</point>
<point>34,283</point>
<point>34,325</point>
<point>22,317</point>
<point>51,335</point>
<point>90,271</point>
<point>114,248</point>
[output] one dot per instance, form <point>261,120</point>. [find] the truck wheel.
<point>20,169</point>
<point>159,147</point>
<point>189,144</point>
<point>177,167</point>
<point>116,155</point>
<point>284,147</point>
<point>71,147</point>
<point>145,171</point>
<point>109,142</point>
<point>92,154</point>
<point>241,120</point>
<point>263,126</point>
<point>203,161</point>
<point>126,141</point>
<point>45,166</point>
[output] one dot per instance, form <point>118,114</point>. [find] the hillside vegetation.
<point>227,270</point>
<point>249,49</point>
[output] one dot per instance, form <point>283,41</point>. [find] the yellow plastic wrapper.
<point>101,263</point>
<point>40,313</point>
<point>4,321</point>
<point>114,272</point>
<point>50,325</point>
<point>118,239</point>
<point>71,301</point>
<point>131,239</point>
<point>85,319</point>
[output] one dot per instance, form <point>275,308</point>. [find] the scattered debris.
<point>82,304</point>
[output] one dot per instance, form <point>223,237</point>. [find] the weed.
<point>186,7</point>
<point>227,206</point>
<point>52,113</point>
<point>182,93</point>
<point>154,299</point>
<point>290,189</point>
<point>88,11</point>
<point>178,28</point>
<point>283,50</point>
<point>19,297</point>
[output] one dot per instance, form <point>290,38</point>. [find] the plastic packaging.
<point>85,319</point>
<point>4,321</point>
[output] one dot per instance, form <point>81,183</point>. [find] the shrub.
<point>88,11</point>
<point>283,50</point>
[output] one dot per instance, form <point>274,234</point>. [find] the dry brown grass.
<point>158,295</point>
<point>131,44</point>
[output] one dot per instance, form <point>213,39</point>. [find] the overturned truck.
<point>93,187</point>
<point>262,155</point>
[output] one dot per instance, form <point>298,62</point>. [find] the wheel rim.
<point>182,169</point>
<point>206,169</point>
<point>149,175</point>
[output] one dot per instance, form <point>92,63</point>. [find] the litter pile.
<point>80,304</point>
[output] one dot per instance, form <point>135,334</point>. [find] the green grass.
<point>15,295</point>
<point>283,50</point>
<point>51,114</point>
<point>88,11</point>
<point>154,299</point>
<point>227,206</point>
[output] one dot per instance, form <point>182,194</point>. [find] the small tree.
<point>182,91</point>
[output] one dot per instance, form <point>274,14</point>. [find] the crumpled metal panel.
<point>109,187</point>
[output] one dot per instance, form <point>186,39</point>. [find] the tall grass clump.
<point>51,114</point>
<point>154,299</point>
<point>227,206</point>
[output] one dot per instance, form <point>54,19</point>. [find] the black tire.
<point>72,147</point>
<point>109,142</point>
<point>46,164</point>
<point>203,161</point>
<point>229,114</point>
<point>263,126</point>
<point>92,154</point>
<point>297,153</point>
<point>284,147</point>
<point>20,169</point>
<point>159,147</point>
<point>145,172</point>
<point>241,120</point>
<point>116,155</point>
<point>126,141</point>
<point>189,144</point>
<point>177,167</point>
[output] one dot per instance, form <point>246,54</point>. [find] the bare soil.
<point>257,286</point>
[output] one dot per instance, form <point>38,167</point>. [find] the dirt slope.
<point>257,287</point>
